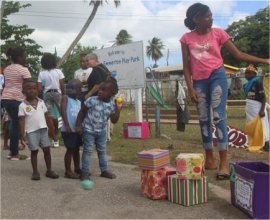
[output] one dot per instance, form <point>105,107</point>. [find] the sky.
<point>57,23</point>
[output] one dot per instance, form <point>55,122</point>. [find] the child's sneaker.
<point>35,176</point>
<point>108,174</point>
<point>56,143</point>
<point>51,174</point>
<point>19,157</point>
<point>85,176</point>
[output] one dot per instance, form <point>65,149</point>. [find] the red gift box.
<point>154,184</point>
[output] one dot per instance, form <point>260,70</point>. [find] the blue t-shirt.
<point>72,111</point>
<point>98,114</point>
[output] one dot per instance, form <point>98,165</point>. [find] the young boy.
<point>70,107</point>
<point>255,101</point>
<point>94,115</point>
<point>34,122</point>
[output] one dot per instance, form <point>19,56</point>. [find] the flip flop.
<point>222,176</point>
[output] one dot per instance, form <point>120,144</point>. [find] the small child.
<point>255,101</point>
<point>70,107</point>
<point>82,74</point>
<point>34,122</point>
<point>95,114</point>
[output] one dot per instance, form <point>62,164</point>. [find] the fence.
<point>167,90</point>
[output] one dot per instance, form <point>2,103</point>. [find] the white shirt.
<point>50,79</point>
<point>82,75</point>
<point>1,81</point>
<point>34,117</point>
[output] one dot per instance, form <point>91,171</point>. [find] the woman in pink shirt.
<point>12,96</point>
<point>206,79</point>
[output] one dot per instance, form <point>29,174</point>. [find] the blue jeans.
<point>12,108</point>
<point>212,94</point>
<point>89,140</point>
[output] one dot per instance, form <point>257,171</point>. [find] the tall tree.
<point>250,35</point>
<point>96,4</point>
<point>73,61</point>
<point>123,37</point>
<point>18,35</point>
<point>154,49</point>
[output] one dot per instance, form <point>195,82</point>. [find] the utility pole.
<point>168,54</point>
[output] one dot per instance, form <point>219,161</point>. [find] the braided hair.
<point>193,11</point>
<point>48,61</point>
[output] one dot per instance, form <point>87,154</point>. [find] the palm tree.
<point>123,37</point>
<point>153,50</point>
<point>96,4</point>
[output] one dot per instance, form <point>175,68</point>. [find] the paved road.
<point>63,198</point>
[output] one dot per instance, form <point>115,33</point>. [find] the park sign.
<point>125,62</point>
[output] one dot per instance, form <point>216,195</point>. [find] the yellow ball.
<point>119,100</point>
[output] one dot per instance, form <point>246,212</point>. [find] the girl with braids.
<point>206,79</point>
<point>52,79</point>
<point>15,74</point>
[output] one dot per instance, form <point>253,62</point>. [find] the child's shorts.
<point>72,140</point>
<point>38,138</point>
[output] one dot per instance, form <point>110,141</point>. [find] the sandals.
<point>222,176</point>
<point>35,176</point>
<point>51,174</point>
<point>72,176</point>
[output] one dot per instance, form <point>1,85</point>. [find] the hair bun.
<point>189,23</point>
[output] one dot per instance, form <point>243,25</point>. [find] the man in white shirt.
<point>82,74</point>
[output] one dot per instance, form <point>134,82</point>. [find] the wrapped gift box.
<point>136,130</point>
<point>154,159</point>
<point>187,192</point>
<point>154,184</point>
<point>190,165</point>
<point>250,188</point>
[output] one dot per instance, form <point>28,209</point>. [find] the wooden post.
<point>138,105</point>
<point>146,103</point>
<point>157,114</point>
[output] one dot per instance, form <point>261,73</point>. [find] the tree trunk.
<point>79,36</point>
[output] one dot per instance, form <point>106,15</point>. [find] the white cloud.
<point>237,16</point>
<point>58,22</point>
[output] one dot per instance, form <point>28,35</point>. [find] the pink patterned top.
<point>205,56</point>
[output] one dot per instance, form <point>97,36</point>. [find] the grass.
<point>125,150</point>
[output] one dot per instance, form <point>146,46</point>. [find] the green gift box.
<point>187,192</point>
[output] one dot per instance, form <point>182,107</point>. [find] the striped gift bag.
<point>187,192</point>
<point>153,159</point>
